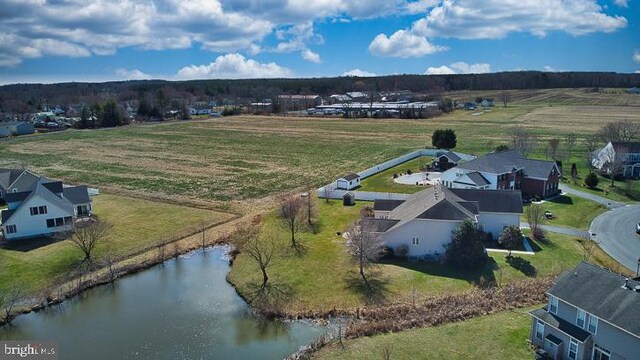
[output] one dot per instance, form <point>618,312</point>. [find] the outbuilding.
<point>348,182</point>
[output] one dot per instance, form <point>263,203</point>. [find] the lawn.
<point>383,181</point>
<point>323,276</point>
<point>504,336</point>
<point>571,211</point>
<point>137,224</point>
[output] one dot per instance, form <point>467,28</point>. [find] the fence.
<point>330,191</point>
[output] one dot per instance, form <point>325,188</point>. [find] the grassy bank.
<point>137,224</point>
<point>505,337</point>
<point>324,277</point>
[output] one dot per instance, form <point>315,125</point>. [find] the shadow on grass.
<point>273,296</point>
<point>481,277</point>
<point>523,265</point>
<point>562,199</point>
<point>27,245</point>
<point>373,291</point>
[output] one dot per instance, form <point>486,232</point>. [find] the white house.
<point>425,221</point>
<point>40,208</point>
<point>619,157</point>
<point>348,182</point>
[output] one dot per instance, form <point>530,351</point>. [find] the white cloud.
<point>548,68</point>
<point>132,74</point>
<point>358,73</point>
<point>311,56</point>
<point>621,3</point>
<point>402,44</point>
<point>459,68</point>
<point>440,70</point>
<point>494,19</point>
<point>233,66</point>
<point>636,56</point>
<point>420,6</point>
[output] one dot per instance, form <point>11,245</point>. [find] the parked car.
<point>638,228</point>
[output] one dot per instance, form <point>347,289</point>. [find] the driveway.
<point>589,196</point>
<point>559,230</point>
<point>615,232</point>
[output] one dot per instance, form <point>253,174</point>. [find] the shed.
<point>348,199</point>
<point>21,128</point>
<point>348,182</point>
<point>5,130</point>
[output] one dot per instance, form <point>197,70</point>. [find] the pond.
<point>183,309</point>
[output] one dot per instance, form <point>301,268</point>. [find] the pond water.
<point>183,309</point>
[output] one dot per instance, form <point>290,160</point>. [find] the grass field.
<point>504,336</point>
<point>571,211</point>
<point>137,224</point>
<point>383,181</point>
<point>323,276</point>
<point>249,157</point>
<point>548,97</point>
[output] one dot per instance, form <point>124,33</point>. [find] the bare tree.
<point>364,245</point>
<point>535,217</point>
<point>505,96</point>
<point>615,165</point>
<point>623,130</point>
<point>311,206</point>
<point>554,146</point>
<point>588,247</point>
<point>10,298</point>
<point>161,254</point>
<point>326,192</point>
<point>522,140</point>
<point>591,143</point>
<point>203,231</point>
<point>86,235</point>
<point>570,143</point>
<point>290,215</point>
<point>261,249</point>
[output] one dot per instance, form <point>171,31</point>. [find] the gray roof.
<point>626,146</point>
<point>8,176</point>
<point>350,177</point>
<point>15,197</point>
<point>472,178</point>
<point>560,324</point>
<point>386,205</point>
<point>77,194</point>
<point>507,161</point>
<point>379,225</point>
<point>553,339</point>
<point>600,292</point>
<point>453,157</point>
<point>6,214</point>
<point>55,187</point>
<point>497,201</point>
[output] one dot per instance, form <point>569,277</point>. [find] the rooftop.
<point>507,161</point>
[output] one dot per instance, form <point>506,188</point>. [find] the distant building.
<point>633,90</point>
<point>298,102</point>
<point>16,128</point>
<point>339,98</point>
<point>348,182</point>
<point>358,96</point>
<point>592,313</point>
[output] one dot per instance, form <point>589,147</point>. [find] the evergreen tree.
<point>444,139</point>
<point>466,250</point>
<point>591,180</point>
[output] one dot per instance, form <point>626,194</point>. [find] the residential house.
<point>505,170</point>
<point>592,313</point>
<point>622,158</point>
<point>425,221</point>
<point>358,96</point>
<point>38,206</point>
<point>451,159</point>
<point>339,98</point>
<point>348,182</point>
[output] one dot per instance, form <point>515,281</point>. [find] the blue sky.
<point>101,40</point>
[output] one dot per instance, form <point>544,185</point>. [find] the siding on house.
<point>433,236</point>
<point>28,225</point>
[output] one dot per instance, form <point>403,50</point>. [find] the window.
<point>59,221</point>
<point>38,210</point>
<point>33,210</point>
<point>580,318</point>
<point>42,209</point>
<point>415,241</point>
<point>573,349</point>
<point>600,353</point>
<point>539,330</point>
<point>51,223</point>
<point>11,229</point>
<point>553,304</point>
<point>593,324</point>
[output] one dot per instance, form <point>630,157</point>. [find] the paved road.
<point>614,231</point>
<point>589,196</point>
